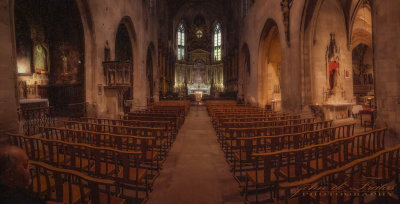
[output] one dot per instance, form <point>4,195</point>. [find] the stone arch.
<point>269,65</point>
<point>83,61</point>
<point>89,45</point>
<point>320,19</point>
<point>123,46</point>
<point>362,55</point>
<point>128,23</point>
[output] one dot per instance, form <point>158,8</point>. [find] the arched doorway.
<point>149,75</point>
<point>362,57</point>
<point>270,62</point>
<point>50,54</point>
<point>124,56</point>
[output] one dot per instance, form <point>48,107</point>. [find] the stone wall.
<point>250,33</point>
<point>100,20</point>
<point>304,63</point>
<point>386,29</point>
<point>8,102</point>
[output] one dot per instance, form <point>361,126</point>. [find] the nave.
<point>195,170</point>
<point>222,152</point>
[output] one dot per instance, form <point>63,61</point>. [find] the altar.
<point>198,74</point>
<point>33,103</point>
<point>197,88</point>
<point>339,111</point>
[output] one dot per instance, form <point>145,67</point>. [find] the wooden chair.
<point>294,165</point>
<point>69,186</point>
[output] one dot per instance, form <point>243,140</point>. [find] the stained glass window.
<point>217,43</point>
<point>181,42</point>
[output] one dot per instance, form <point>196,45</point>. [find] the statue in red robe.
<point>333,73</point>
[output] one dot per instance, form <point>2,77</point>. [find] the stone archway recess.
<point>89,51</point>
<point>244,73</point>
<point>269,66</point>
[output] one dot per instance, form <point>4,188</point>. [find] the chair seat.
<point>141,173</point>
<point>43,184</point>
<point>76,195</point>
<point>259,179</point>
<point>81,163</point>
<point>151,155</point>
<point>105,169</point>
<point>103,198</point>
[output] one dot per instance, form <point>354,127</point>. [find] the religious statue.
<point>334,73</point>
<point>64,63</point>
<point>107,52</point>
<point>333,68</point>
<point>40,58</point>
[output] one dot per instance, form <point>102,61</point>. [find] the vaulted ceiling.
<point>178,5</point>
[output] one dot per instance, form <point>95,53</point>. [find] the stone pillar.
<point>8,101</point>
<point>386,29</point>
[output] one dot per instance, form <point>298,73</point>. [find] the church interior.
<point>203,101</point>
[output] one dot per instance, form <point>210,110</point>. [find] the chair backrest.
<point>65,180</point>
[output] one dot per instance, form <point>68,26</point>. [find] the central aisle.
<point>195,170</point>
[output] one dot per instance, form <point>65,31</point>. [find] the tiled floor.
<point>195,170</point>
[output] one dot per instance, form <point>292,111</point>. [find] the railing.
<point>34,118</point>
<point>118,73</point>
<point>362,89</point>
<point>72,110</point>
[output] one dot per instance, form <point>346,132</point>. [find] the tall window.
<point>217,43</point>
<point>244,7</point>
<point>181,42</point>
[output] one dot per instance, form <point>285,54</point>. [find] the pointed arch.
<point>245,72</point>
<point>269,65</point>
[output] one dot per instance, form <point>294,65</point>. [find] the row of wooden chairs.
<point>229,136</point>
<point>127,152</point>
<point>225,128</point>
<point>290,165</point>
<point>70,186</point>
<point>375,178</point>
<point>124,167</point>
<point>169,126</point>
<point>264,154</point>
<point>148,146</point>
<point>163,137</point>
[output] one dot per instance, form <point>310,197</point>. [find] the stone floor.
<point>195,170</point>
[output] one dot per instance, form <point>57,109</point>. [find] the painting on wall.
<point>40,59</point>
<point>347,73</point>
